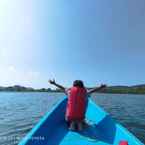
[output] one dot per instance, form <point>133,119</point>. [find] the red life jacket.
<point>76,104</point>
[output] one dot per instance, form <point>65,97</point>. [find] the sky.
<point>97,41</point>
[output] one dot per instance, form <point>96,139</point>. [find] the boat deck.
<point>89,136</point>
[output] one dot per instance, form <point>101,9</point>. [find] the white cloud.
<point>12,68</point>
<point>33,75</point>
<point>11,75</point>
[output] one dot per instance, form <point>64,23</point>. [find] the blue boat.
<point>102,130</point>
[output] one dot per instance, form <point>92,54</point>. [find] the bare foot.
<point>80,126</point>
<point>72,126</point>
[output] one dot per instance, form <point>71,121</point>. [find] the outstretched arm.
<point>96,89</point>
<point>57,85</point>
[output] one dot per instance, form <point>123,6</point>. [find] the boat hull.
<point>102,130</point>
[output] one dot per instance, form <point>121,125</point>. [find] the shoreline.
<point>136,89</point>
<point>62,92</point>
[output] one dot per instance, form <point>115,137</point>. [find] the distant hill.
<point>136,89</point>
<point>18,88</point>
<point>139,86</point>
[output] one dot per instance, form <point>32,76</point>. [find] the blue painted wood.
<point>102,130</point>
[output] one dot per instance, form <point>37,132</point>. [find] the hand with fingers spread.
<point>52,81</point>
<point>96,89</point>
<point>103,86</point>
<point>57,85</point>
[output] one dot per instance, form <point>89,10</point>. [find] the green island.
<point>136,89</point>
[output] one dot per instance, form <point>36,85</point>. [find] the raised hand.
<point>103,86</point>
<point>57,85</point>
<point>52,81</point>
<point>96,89</point>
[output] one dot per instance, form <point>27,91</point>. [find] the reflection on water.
<point>19,112</point>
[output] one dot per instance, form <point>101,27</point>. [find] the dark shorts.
<point>70,119</point>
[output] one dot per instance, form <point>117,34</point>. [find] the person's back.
<point>76,105</point>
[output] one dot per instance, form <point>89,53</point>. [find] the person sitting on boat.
<point>77,102</point>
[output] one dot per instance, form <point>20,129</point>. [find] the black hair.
<point>78,83</point>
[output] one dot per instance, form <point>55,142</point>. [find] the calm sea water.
<point>19,112</point>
